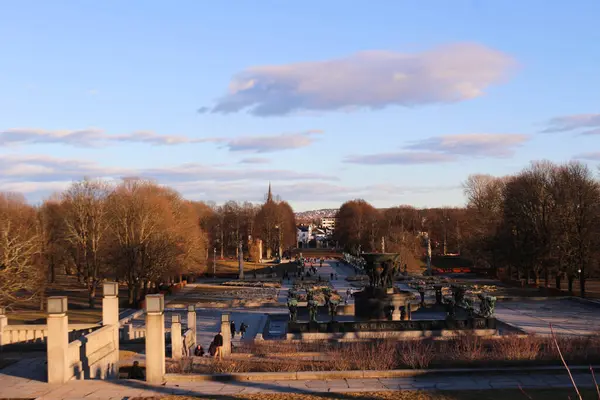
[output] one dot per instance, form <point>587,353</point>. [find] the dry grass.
<point>386,354</point>
<point>545,394</point>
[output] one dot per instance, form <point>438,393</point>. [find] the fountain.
<point>380,297</point>
<point>381,308</point>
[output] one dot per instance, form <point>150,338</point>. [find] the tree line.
<point>137,232</point>
<point>360,227</point>
<point>538,225</point>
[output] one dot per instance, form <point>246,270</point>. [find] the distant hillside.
<point>316,214</point>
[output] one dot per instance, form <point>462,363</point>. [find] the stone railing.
<point>26,334</point>
<point>99,353</point>
<point>74,360</point>
<point>131,317</point>
<point>128,333</point>
<point>189,342</point>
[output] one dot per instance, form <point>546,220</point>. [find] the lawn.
<point>77,294</point>
<point>545,394</point>
<point>231,268</point>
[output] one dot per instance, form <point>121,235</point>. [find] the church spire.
<point>269,194</point>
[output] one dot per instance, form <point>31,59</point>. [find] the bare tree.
<point>21,273</point>
<point>86,224</point>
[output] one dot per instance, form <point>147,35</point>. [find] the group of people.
<point>215,349</point>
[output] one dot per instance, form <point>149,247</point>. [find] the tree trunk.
<point>130,294</point>
<point>570,279</point>
<point>52,271</point>
<point>136,293</point>
<point>546,278</point>
<point>558,281</point>
<point>92,298</point>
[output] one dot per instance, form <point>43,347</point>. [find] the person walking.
<point>243,328</point>
<point>218,341</point>
<point>232,325</point>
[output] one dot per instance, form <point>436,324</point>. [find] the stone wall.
<point>391,326</point>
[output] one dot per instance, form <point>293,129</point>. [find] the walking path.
<point>12,387</point>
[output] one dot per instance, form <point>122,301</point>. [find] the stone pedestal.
<point>226,333</point>
<point>176,339</point>
<point>155,338</point>
<point>58,340</point>
<point>397,302</point>
<point>372,303</point>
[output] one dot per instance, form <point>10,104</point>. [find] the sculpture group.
<point>382,268</point>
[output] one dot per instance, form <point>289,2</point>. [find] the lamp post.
<point>215,262</point>
<point>278,227</point>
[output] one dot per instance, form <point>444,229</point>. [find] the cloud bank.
<point>370,79</point>
<point>34,173</point>
<point>39,176</point>
<point>93,137</point>
<point>589,124</point>
<point>448,148</point>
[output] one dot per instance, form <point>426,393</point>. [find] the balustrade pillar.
<point>155,338</point>
<point>176,344</point>
<point>191,323</point>
<point>226,333</point>
<point>58,340</point>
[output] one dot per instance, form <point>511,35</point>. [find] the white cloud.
<point>574,122</point>
<point>590,156</point>
<point>370,79</point>
<point>306,192</point>
<point>473,144</point>
<point>448,148</point>
<point>90,137</point>
<point>400,158</point>
<point>255,160</point>
<point>97,137</point>
<point>32,173</point>
<point>265,144</point>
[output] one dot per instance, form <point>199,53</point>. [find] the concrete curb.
<point>397,373</point>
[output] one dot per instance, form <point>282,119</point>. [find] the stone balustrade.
<point>101,352</point>
<point>92,355</point>
<point>25,333</point>
<point>74,363</point>
<point>189,342</point>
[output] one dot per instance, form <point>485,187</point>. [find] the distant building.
<point>328,222</point>
<point>304,235</point>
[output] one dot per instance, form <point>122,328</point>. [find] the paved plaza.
<point>568,317</point>
<point>24,379</point>
<point>13,387</point>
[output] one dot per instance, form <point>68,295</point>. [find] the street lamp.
<point>215,262</point>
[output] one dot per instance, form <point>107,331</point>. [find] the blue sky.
<point>396,102</point>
